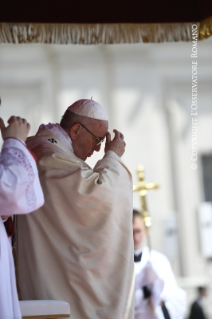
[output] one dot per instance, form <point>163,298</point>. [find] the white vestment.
<point>20,193</point>
<point>79,246</point>
<point>153,269</point>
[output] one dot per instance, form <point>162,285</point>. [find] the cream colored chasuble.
<point>79,246</point>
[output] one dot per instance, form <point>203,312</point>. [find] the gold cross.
<point>142,187</point>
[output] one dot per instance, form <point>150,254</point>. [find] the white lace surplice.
<point>20,193</point>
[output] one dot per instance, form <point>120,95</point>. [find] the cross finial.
<point>142,187</point>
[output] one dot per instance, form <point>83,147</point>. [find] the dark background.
<point>100,11</point>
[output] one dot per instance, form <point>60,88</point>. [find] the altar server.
<point>157,294</point>
<point>20,193</point>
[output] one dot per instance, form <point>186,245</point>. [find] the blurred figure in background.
<point>157,294</point>
<point>197,307</point>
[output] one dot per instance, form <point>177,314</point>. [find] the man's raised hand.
<point>17,128</point>
<point>117,145</point>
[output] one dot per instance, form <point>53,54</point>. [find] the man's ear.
<point>74,131</point>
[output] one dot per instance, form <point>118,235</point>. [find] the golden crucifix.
<point>142,187</point>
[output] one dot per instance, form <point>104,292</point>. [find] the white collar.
<point>59,132</point>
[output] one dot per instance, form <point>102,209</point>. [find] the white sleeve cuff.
<point>112,154</point>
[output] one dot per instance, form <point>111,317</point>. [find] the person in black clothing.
<point>197,311</point>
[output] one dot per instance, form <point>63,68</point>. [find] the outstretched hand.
<point>117,145</point>
<point>17,128</point>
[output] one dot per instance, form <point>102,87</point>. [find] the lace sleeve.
<point>10,158</point>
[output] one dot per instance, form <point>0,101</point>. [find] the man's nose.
<point>97,148</point>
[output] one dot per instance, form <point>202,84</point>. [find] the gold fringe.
<point>94,33</point>
<point>205,29</point>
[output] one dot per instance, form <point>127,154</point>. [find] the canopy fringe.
<point>94,33</point>
<point>205,29</point>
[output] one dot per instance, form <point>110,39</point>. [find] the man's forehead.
<point>98,127</point>
<point>138,222</point>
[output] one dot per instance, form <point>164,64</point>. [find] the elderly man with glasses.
<point>79,246</point>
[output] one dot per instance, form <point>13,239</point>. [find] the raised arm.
<point>20,190</point>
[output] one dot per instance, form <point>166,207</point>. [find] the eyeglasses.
<point>99,141</point>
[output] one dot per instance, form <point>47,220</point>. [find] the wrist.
<point>15,138</point>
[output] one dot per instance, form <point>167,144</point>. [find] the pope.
<point>79,246</point>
